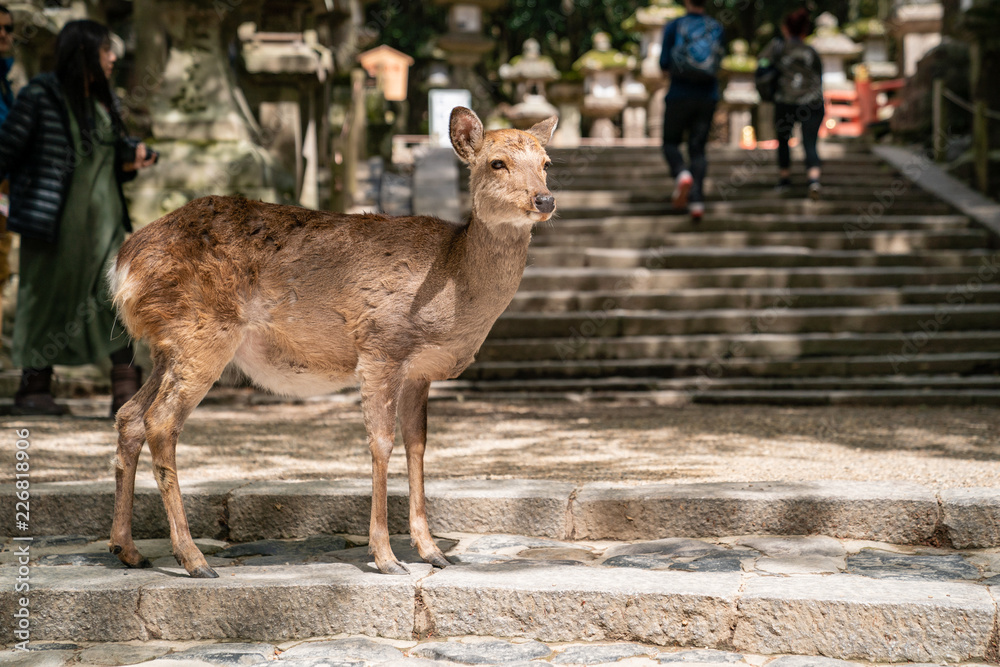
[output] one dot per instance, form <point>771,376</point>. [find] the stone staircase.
<point>877,292</point>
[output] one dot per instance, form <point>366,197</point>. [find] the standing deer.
<point>305,302</point>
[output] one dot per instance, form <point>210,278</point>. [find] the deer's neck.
<point>493,260</point>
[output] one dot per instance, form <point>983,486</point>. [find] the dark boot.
<point>125,382</point>
<point>34,396</point>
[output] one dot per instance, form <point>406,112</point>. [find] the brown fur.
<point>305,300</point>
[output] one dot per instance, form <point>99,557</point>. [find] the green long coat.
<point>64,313</point>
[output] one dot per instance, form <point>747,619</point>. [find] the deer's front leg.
<point>379,395</point>
<point>413,419</point>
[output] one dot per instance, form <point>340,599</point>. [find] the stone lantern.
<point>201,125</point>
<point>834,49</point>
<point>603,69</point>
<point>530,72</point>
<point>917,27</point>
<point>464,44</point>
<point>874,38</point>
<point>740,96</point>
<point>289,68</point>
<point>650,21</point>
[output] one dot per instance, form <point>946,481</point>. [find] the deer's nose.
<point>545,203</point>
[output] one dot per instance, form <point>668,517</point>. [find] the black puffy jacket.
<point>36,152</point>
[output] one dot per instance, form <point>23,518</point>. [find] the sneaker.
<point>697,211</point>
<point>783,187</point>
<point>681,190</point>
<point>815,189</point>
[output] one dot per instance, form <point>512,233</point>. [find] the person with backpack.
<point>692,52</point>
<point>798,97</point>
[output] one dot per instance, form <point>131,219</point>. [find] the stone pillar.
<point>918,30</point>
<point>205,144</point>
<point>651,21</point>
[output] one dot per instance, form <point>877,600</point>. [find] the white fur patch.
<point>252,358</point>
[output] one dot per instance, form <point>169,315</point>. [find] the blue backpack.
<point>697,51</point>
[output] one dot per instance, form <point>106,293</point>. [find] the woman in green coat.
<point>67,154</point>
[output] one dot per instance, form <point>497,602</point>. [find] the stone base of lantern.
<point>654,115</point>
<point>604,129</point>
<point>739,118</point>
<point>568,131</point>
<point>634,123</point>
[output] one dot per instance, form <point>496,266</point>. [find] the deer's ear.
<point>466,132</point>
<point>543,130</point>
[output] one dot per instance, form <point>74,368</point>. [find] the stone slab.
<point>931,178</point>
<point>850,617</point>
<point>273,604</point>
<point>572,603</point>
<point>64,508</point>
<point>297,509</point>
<point>267,603</point>
<point>901,513</point>
<point>972,517</point>
<point>77,603</point>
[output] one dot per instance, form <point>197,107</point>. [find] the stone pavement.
<point>563,602</point>
<point>626,560</point>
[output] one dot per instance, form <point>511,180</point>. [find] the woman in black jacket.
<point>65,148</point>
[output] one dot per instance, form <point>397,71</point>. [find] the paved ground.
<point>239,435</point>
<point>581,602</point>
<point>586,597</point>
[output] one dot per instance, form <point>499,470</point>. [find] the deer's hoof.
<point>203,572</point>
<point>393,567</point>
<point>438,560</point>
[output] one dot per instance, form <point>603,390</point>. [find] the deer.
<point>307,302</point>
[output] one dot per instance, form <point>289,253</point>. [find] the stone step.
<point>719,566</point>
<point>721,347</point>
<point>882,241</point>
<point>591,155</point>
<point>918,389</point>
<point>758,256</point>
<point>734,172</point>
<point>243,511</point>
<point>803,207</point>
<point>561,301</point>
<point>360,650</point>
<point>766,391</point>
<point>778,319</point>
<point>600,192</point>
<point>965,280</point>
<point>971,363</point>
<point>851,225</point>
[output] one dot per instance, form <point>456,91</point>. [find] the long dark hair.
<point>78,68</point>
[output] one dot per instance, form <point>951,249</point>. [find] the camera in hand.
<point>152,155</point>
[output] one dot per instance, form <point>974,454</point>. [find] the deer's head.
<point>508,169</point>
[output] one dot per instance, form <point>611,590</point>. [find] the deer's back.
<point>310,287</point>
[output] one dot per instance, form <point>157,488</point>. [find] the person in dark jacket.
<point>6,102</point>
<point>692,51</point>
<point>798,98</point>
<point>6,62</point>
<point>65,148</point>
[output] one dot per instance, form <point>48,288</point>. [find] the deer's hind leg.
<point>187,377</point>
<point>131,435</point>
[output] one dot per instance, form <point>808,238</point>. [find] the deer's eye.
<point>498,164</point>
